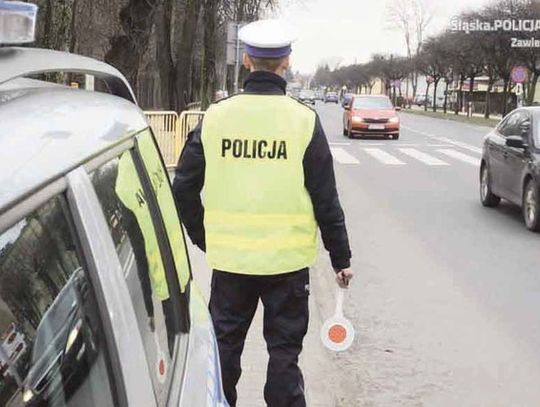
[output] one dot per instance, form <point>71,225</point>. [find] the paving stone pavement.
<point>315,361</point>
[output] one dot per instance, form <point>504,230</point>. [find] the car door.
<point>495,145</point>
<point>515,159</point>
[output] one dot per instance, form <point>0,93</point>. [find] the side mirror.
<point>525,129</point>
<point>397,109</point>
<point>515,142</point>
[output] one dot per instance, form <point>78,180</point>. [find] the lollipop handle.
<point>339,302</point>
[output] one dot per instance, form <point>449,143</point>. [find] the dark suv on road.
<point>510,167</point>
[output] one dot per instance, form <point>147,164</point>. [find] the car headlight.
<point>393,120</point>
<point>27,395</point>
<point>357,119</point>
<point>73,335</point>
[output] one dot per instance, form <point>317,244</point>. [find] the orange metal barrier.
<point>171,132</point>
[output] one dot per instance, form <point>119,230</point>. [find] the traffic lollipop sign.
<point>337,333</point>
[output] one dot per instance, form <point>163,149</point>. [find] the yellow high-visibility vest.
<point>259,217</point>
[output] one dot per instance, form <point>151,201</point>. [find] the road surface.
<point>446,292</point>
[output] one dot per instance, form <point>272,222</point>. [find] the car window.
<point>55,353</point>
<point>169,213</point>
<point>371,103</point>
<point>510,126</point>
<point>127,211</point>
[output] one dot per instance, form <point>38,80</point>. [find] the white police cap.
<point>267,39</point>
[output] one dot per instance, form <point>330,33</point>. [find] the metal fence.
<point>171,132</point>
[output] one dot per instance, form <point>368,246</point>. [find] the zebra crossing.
<point>401,155</point>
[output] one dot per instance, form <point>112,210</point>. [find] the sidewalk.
<point>316,361</point>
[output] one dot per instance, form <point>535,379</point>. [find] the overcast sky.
<point>352,30</point>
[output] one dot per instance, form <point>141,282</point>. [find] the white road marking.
<point>343,157</point>
<point>446,140</point>
<point>383,156</point>
<point>423,157</point>
<point>339,144</point>
<point>460,156</point>
<point>459,144</point>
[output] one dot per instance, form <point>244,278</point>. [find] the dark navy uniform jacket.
<point>318,173</point>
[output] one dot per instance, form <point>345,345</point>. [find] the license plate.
<point>376,126</point>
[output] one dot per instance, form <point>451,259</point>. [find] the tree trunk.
<point>58,31</point>
<point>532,87</point>
<point>435,86</point>
<point>471,93</point>
<point>127,49</point>
<point>208,88</point>
<point>487,111</point>
<point>459,101</point>
<point>505,97</point>
<point>427,94</point>
<point>164,55</point>
<point>185,53</point>
<point>414,83</point>
<point>445,107</point>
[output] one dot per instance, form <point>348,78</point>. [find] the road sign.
<point>519,74</point>
<point>337,333</point>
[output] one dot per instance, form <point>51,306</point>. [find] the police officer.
<point>267,172</point>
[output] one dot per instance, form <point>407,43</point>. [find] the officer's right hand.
<point>343,277</point>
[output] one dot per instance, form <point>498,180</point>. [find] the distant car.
<point>319,95</point>
<point>347,97</point>
<point>331,97</point>
<point>421,100</point>
<point>371,115</point>
<point>510,166</point>
<point>307,96</point>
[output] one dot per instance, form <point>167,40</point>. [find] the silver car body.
<point>50,138</point>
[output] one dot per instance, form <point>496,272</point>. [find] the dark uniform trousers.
<point>233,303</point>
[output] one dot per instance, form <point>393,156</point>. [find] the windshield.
<point>306,93</point>
<point>372,103</point>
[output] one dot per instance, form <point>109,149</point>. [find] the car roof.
<point>47,130</point>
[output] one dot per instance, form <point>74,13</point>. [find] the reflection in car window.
<point>126,209</point>
<point>510,126</point>
<point>163,192</point>
<point>53,349</point>
<point>536,132</point>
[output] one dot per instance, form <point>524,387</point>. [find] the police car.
<point>94,271</point>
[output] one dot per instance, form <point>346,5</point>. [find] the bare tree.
<point>411,18</point>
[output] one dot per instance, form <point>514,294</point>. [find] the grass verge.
<point>479,121</point>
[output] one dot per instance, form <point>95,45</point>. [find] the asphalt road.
<point>446,295</point>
